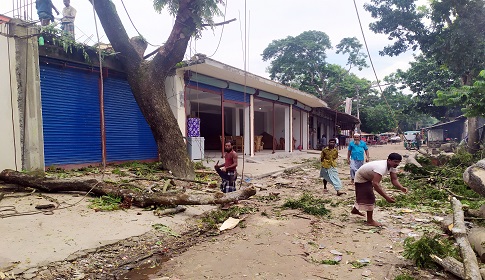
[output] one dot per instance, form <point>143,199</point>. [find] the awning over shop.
<point>214,72</point>
<point>345,121</point>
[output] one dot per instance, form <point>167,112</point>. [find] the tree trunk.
<point>470,262</point>
<point>453,266</point>
<point>139,199</point>
<point>476,236</point>
<point>473,135</point>
<point>147,78</point>
<point>149,92</point>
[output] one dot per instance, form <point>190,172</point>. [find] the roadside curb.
<point>264,175</point>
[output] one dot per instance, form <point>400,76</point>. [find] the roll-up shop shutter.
<point>70,114</point>
<point>128,136</point>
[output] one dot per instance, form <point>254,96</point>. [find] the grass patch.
<point>419,251</point>
<point>105,203</point>
<point>214,218</point>
<point>329,262</point>
<point>308,204</point>
<point>165,229</point>
<point>404,277</point>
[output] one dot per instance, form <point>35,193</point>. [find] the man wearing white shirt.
<point>368,178</point>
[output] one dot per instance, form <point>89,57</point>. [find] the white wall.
<point>174,88</point>
<point>10,145</point>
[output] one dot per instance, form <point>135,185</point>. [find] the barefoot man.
<point>368,178</point>
<point>329,173</point>
<point>227,170</point>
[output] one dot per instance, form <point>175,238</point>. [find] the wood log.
<point>169,211</point>
<point>480,213</point>
<point>470,262</point>
<point>53,185</point>
<point>447,224</point>
<point>454,266</point>
<point>476,237</point>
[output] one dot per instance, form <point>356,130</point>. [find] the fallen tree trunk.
<point>453,266</point>
<point>470,263</point>
<point>53,185</point>
<point>476,237</point>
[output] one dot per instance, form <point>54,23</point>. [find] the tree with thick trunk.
<point>147,77</point>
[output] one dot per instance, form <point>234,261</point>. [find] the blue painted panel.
<point>234,95</point>
<point>128,136</point>
<point>70,113</point>
<point>202,86</point>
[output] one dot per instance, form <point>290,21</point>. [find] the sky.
<point>266,20</point>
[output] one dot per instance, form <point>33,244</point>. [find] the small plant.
<point>119,172</point>
<point>165,229</point>
<point>420,250</point>
<point>199,165</point>
<point>105,203</point>
<point>308,204</point>
<point>329,262</point>
<point>404,277</point>
<point>357,264</point>
<point>214,218</point>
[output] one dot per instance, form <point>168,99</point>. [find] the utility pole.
<point>358,115</point>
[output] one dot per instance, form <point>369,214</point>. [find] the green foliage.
<point>199,165</point>
<point>472,98</point>
<point>352,47</point>
<point>105,203</point>
<point>419,251</point>
<point>357,264</point>
<point>202,11</point>
<point>329,262</point>
<point>165,229</point>
<point>404,277</point>
<point>214,218</point>
<point>450,36</point>
<point>300,62</point>
<point>308,204</point>
<point>141,169</point>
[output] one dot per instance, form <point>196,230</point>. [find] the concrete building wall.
<point>174,89</point>
<point>10,144</point>
<point>28,84</point>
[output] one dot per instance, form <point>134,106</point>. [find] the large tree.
<point>147,77</point>
<point>450,32</point>
<point>300,62</point>
<point>425,78</point>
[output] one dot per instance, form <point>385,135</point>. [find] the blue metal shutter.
<point>70,113</point>
<point>128,136</point>
<point>235,95</point>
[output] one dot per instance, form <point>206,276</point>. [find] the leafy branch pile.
<point>431,186</point>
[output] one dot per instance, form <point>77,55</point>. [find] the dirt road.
<point>280,243</point>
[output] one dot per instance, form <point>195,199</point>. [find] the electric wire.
<point>374,70</point>
<point>129,17</point>
<point>222,31</point>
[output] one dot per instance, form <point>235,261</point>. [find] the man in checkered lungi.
<point>227,170</point>
<point>68,16</point>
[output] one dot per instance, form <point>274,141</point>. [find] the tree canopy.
<point>300,62</point>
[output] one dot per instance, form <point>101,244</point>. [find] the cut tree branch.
<point>139,199</point>
<point>219,23</point>
<point>470,263</point>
